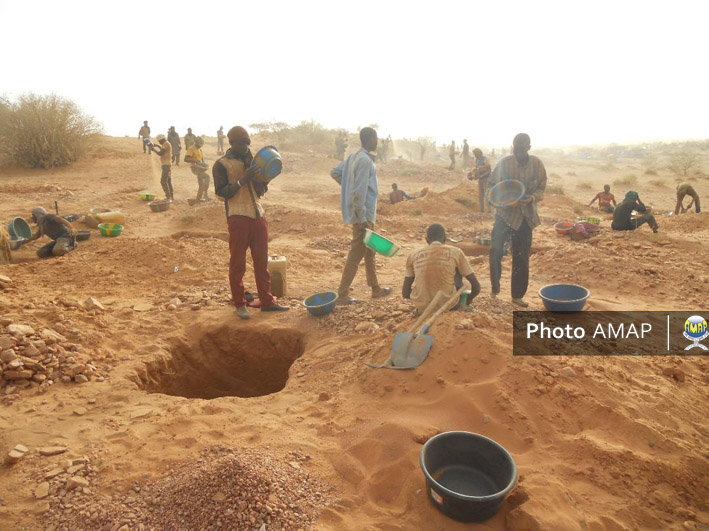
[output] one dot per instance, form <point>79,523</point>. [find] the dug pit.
<point>225,361</point>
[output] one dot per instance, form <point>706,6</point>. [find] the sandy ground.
<point>620,446</point>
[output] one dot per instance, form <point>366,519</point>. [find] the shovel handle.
<point>446,306</point>
<point>427,312</point>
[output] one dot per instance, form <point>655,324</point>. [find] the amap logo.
<point>695,329</point>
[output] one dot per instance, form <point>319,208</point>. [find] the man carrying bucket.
<point>357,177</point>
<point>195,157</point>
<point>238,182</point>
<point>516,221</point>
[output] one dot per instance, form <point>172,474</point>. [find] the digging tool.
<point>412,350</point>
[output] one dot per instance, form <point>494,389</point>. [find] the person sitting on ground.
<point>195,156</point>
<point>165,152</point>
<point>622,216</point>
<point>436,267</point>
<point>605,198</point>
<point>58,229</point>
<point>685,189</point>
<point>397,196</point>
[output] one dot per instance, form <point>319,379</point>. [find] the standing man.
<point>605,198</point>
<point>238,183</point>
<point>357,177</point>
<point>683,190</point>
<point>518,220</point>
<point>189,138</point>
<point>174,140</point>
<point>220,140</point>
<point>340,146</point>
<point>195,156</point>
<point>466,153</point>
<point>143,134</point>
<point>481,173</point>
<point>165,152</point>
<point>451,155</point>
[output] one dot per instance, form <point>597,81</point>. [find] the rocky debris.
<point>465,324</point>
<point>38,360</point>
<point>42,490</point>
<point>80,411</point>
<point>366,327</point>
<point>52,450</point>
<point>5,282</point>
<point>92,303</point>
<point>568,372</point>
<point>675,373</point>
<point>17,453</point>
<point>224,489</point>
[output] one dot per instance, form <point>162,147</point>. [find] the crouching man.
<point>55,227</point>
<point>436,267</point>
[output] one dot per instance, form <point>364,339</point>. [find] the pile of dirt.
<point>225,489</point>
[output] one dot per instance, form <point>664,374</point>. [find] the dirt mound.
<point>224,489</point>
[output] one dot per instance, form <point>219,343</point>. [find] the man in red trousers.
<point>238,182</point>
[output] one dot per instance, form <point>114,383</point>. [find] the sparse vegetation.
<point>657,182</point>
<point>557,189</point>
<point>584,185</point>
<point>465,202</point>
<point>682,162</point>
<point>45,131</point>
<point>578,210</point>
<point>628,180</point>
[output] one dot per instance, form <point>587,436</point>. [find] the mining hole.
<point>227,361</point>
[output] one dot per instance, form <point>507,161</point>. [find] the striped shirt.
<point>534,177</point>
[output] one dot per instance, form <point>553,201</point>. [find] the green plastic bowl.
<point>378,243</point>
<point>147,196</point>
<point>110,229</point>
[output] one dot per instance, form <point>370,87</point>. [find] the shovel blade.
<point>416,355</point>
<point>402,340</point>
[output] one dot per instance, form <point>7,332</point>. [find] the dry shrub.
<point>681,162</point>
<point>578,210</point>
<point>465,202</point>
<point>585,185</point>
<point>557,189</point>
<point>45,131</point>
<point>657,182</point>
<point>629,180</point>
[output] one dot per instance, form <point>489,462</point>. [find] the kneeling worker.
<point>436,267</point>
<point>685,189</point>
<point>397,196</point>
<point>58,229</point>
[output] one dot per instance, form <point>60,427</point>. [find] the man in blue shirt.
<point>357,176</point>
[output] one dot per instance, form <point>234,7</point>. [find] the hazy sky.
<point>564,71</point>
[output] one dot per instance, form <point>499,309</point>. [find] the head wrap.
<point>199,141</point>
<point>38,214</point>
<point>631,196</point>
<point>236,134</point>
<point>160,137</point>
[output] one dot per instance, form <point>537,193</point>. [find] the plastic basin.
<point>482,240</point>
<point>95,211</point>
<point>467,475</point>
<point>380,244</point>
<point>110,229</point>
<point>269,160</point>
<point>321,303</point>
<point>159,206</point>
<point>594,221</point>
<point>147,196</point>
<point>19,229</point>
<point>507,193</point>
<point>16,243</point>
<point>564,227</point>
<point>564,297</point>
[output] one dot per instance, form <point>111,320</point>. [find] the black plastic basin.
<point>467,475</point>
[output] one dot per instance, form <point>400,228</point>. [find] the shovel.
<point>409,350</point>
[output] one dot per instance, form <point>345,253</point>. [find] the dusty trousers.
<point>358,251</point>
<point>521,246</point>
<point>249,233</point>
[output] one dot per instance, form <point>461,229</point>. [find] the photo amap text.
<point>604,331</point>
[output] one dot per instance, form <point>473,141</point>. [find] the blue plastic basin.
<point>269,160</point>
<point>19,229</point>
<point>564,297</point>
<point>321,303</point>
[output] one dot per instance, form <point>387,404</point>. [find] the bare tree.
<point>681,162</point>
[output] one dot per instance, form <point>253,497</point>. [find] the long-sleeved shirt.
<point>240,200</point>
<point>623,213</point>
<point>357,176</point>
<point>144,131</point>
<point>397,196</point>
<point>534,177</point>
<point>174,140</point>
<point>189,140</point>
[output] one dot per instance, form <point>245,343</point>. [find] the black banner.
<point>610,333</point>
